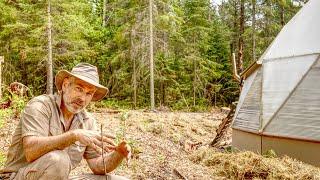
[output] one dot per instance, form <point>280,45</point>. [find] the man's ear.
<point>65,83</point>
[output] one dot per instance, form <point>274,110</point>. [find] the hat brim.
<point>100,93</point>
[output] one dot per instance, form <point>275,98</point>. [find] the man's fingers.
<point>106,140</point>
<point>95,147</point>
<point>106,135</point>
<point>109,148</point>
<point>106,147</point>
<point>109,136</point>
<point>97,142</point>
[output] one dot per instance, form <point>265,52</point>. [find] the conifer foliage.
<point>192,44</point>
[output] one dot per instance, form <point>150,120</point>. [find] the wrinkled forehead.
<point>83,84</point>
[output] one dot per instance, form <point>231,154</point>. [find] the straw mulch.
<point>248,165</point>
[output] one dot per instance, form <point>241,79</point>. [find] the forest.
<point>158,53</point>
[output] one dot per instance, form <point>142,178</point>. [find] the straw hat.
<point>87,73</point>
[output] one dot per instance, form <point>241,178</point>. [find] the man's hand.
<point>112,160</point>
<point>124,149</point>
<point>94,140</point>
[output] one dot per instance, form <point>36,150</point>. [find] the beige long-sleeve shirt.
<point>42,117</point>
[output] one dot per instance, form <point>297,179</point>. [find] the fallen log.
<point>223,127</point>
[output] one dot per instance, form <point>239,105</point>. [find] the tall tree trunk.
<point>233,45</point>
<point>194,82</point>
<point>268,14</point>
<point>132,55</point>
<point>49,62</point>
<point>241,31</point>
<point>194,77</point>
<point>1,61</point>
<point>163,82</point>
<point>104,16</point>
<point>254,30</point>
<point>282,14</point>
<point>151,56</point>
<point>134,83</point>
<point>162,89</point>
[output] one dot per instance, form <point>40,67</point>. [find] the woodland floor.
<point>160,142</point>
<point>163,148</point>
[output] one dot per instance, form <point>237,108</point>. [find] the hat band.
<point>88,75</point>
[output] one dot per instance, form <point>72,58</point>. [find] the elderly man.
<point>55,132</point>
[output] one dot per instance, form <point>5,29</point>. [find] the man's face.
<point>76,94</point>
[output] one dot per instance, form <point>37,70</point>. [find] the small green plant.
<point>121,133</point>
<point>270,154</point>
<point>229,149</point>
<point>124,116</point>
<point>119,137</point>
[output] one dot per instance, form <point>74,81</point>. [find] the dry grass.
<point>158,141</point>
<point>248,165</point>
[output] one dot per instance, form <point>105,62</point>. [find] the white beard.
<point>69,107</point>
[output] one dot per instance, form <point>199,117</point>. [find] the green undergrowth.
<point>181,105</point>
<point>4,115</point>
<point>14,110</point>
<point>114,104</point>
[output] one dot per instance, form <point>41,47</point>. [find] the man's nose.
<point>82,97</point>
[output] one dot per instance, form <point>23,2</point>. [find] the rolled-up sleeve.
<point>90,153</point>
<point>35,119</point>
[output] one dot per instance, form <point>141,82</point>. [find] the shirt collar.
<point>58,99</point>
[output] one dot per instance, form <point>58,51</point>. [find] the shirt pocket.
<point>54,131</point>
<point>76,151</point>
